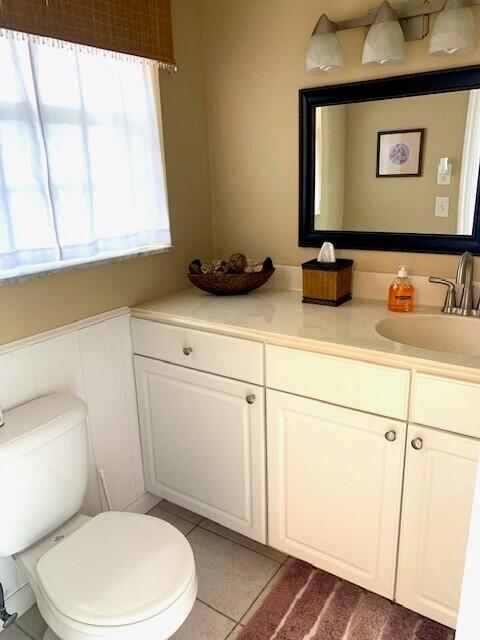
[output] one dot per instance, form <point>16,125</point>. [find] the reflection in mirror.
<point>403,165</point>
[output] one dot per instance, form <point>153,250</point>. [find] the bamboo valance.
<point>140,28</point>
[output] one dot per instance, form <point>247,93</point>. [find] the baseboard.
<point>20,601</point>
<point>144,504</point>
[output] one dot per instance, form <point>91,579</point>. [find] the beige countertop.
<point>279,318</point>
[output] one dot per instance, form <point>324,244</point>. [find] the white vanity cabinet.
<point>203,435</point>
<point>370,468</point>
<point>334,488</point>
<point>438,493</point>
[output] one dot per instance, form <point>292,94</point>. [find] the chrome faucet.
<point>465,278</point>
<point>465,274</point>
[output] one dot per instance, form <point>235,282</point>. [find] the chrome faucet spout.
<point>465,269</point>
<point>465,278</point>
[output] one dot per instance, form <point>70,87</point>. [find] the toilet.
<point>116,575</point>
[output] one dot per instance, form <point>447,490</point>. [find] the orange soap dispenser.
<point>401,292</point>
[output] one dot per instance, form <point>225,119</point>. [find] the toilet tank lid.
<point>35,423</point>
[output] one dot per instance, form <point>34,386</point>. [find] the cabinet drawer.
<point>358,385</point>
<point>452,405</point>
<point>230,357</point>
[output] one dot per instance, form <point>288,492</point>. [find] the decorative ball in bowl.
<point>232,277</point>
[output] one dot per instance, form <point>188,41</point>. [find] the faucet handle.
<point>450,299</point>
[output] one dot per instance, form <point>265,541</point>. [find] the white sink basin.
<point>449,334</point>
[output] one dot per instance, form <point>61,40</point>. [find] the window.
<point>81,161</point>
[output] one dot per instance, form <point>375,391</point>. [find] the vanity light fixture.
<point>385,42</point>
<point>324,52</point>
<point>390,26</point>
<point>454,30</point>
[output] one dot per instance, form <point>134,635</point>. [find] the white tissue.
<point>327,253</point>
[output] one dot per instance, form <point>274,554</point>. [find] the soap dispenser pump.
<point>401,294</point>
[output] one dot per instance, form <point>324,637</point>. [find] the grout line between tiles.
<point>259,553</point>
<point>269,583</point>
<point>267,586</point>
<point>230,635</point>
<point>204,528</point>
<point>173,513</point>
<point>25,632</point>
<point>236,622</point>
<point>195,527</point>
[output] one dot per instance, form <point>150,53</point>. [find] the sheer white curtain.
<point>81,159</point>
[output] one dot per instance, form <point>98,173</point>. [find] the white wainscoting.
<point>92,359</point>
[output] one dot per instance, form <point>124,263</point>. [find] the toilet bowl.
<point>118,575</point>
<point>115,576</point>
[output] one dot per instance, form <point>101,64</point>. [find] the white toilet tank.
<point>43,468</point>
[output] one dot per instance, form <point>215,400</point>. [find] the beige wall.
<point>255,61</point>
<point>403,204</point>
<point>254,57</point>
<point>43,303</point>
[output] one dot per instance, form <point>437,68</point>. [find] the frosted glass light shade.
<point>324,53</point>
<point>385,44</point>
<point>454,32</point>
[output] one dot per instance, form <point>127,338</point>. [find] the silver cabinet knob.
<point>187,351</point>
<point>391,436</point>
<point>251,398</point>
<point>417,444</point>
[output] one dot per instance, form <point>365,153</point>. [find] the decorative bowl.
<point>230,284</point>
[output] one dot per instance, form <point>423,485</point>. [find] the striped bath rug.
<point>309,604</point>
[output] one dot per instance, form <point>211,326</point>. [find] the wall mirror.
<point>392,164</point>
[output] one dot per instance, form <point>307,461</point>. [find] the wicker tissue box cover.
<point>327,283</point>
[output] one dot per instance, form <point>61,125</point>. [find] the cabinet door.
<point>203,440</point>
<point>334,482</point>
<point>438,496</point>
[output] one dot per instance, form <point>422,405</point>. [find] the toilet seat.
<point>160,627</point>
<point>118,570</point>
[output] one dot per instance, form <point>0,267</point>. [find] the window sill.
<point>15,276</point>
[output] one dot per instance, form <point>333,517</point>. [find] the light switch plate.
<point>442,205</point>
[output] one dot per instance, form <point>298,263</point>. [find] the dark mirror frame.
<point>462,79</point>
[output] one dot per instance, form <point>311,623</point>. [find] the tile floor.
<point>234,575</point>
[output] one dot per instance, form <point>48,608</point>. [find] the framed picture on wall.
<point>400,153</point>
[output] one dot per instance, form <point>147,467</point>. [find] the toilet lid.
<point>118,569</point>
